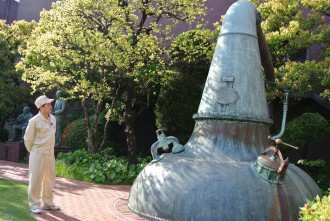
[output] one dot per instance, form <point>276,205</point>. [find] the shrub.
<point>308,127</point>
<point>181,91</point>
<point>319,209</point>
<point>319,171</point>
<point>174,110</point>
<point>101,167</point>
<point>74,135</point>
<point>72,116</point>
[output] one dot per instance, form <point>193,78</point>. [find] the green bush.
<point>74,135</point>
<point>306,128</point>
<point>174,110</point>
<point>72,116</point>
<point>101,167</point>
<point>181,90</point>
<point>319,209</point>
<point>319,171</point>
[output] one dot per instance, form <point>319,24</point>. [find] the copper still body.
<point>217,174</point>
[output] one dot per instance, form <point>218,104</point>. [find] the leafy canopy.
<point>12,38</point>
<point>105,49</point>
<point>307,128</point>
<point>190,54</point>
<point>88,46</point>
<point>291,28</point>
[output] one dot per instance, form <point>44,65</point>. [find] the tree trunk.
<point>105,134</point>
<point>95,128</point>
<point>130,131</point>
<point>105,129</point>
<point>89,136</point>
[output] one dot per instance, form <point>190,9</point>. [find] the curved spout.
<point>285,110</point>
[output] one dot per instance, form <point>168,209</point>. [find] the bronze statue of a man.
<point>20,124</point>
<point>58,112</point>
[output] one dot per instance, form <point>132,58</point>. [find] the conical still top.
<point>232,122</point>
<point>234,88</point>
<point>213,177</point>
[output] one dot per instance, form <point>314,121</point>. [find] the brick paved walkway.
<point>78,200</point>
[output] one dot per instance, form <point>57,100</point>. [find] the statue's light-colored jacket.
<point>59,109</point>
<point>40,134</point>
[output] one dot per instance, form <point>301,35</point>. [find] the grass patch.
<point>14,203</point>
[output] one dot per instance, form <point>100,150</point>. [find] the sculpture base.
<point>13,151</point>
<point>16,151</point>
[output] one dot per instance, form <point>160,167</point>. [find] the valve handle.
<point>279,141</point>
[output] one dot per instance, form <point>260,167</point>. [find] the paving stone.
<point>79,201</point>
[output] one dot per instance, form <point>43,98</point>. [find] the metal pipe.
<point>279,141</point>
<point>285,110</point>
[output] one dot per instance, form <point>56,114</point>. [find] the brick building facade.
<point>11,10</point>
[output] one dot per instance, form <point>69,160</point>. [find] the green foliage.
<point>313,163</point>
<point>14,203</point>
<point>114,112</point>
<point>177,102</point>
<point>74,135</point>
<point>289,35</point>
<point>103,50</point>
<point>194,48</point>
<point>287,30</point>
<point>319,171</point>
<point>318,209</point>
<point>306,128</point>
<point>303,78</point>
<point>318,5</point>
<point>72,116</point>
<point>12,96</point>
<point>102,167</point>
<point>181,90</point>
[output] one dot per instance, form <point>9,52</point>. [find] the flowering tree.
<point>12,96</point>
<point>105,49</point>
<point>291,27</point>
